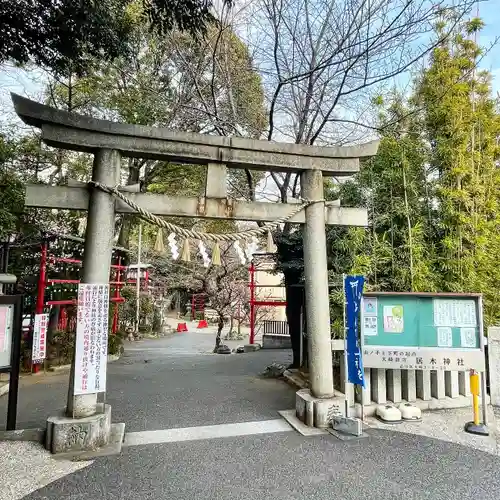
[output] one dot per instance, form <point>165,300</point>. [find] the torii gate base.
<point>86,425</point>
<point>86,438</point>
<point>315,412</point>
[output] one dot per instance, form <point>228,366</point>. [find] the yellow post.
<point>474,389</point>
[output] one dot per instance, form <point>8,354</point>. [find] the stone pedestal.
<point>67,435</point>
<point>315,412</point>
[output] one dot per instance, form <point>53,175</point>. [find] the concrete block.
<point>409,385</point>
<point>378,383</point>
<point>338,345</point>
<point>352,426</point>
<point>464,384</point>
<point>251,347</point>
<point>424,384</point>
<point>451,387</point>
<point>276,341</point>
<point>394,385</point>
<point>348,388</point>
<point>494,364</point>
<point>437,384</point>
<point>343,374</point>
<point>66,434</point>
<point>304,407</point>
<point>367,391</point>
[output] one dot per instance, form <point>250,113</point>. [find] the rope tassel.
<point>159,245</point>
<point>271,247</point>
<point>186,252</point>
<point>216,255</point>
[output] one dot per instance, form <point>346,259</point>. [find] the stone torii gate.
<point>109,142</point>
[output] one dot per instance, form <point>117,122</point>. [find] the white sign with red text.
<point>91,338</point>
<point>39,349</point>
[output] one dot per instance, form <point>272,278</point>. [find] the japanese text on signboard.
<point>417,358</point>
<point>39,351</point>
<point>91,338</point>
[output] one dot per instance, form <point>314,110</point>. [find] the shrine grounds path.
<point>168,391</point>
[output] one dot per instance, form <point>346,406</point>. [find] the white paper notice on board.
<point>39,350</point>
<point>444,336</point>
<point>468,337</point>
<point>393,319</point>
<point>6,326</point>
<point>91,338</point>
<point>454,313</point>
<point>370,305</point>
<point>370,325</point>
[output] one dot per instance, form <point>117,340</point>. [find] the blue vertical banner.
<point>353,289</point>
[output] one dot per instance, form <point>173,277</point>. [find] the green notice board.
<point>422,331</point>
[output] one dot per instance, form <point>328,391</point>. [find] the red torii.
<point>44,281</point>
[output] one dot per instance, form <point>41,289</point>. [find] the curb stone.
<point>294,379</point>
<point>4,389</point>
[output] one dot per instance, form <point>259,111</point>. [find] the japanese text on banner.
<point>353,287</point>
<point>39,350</point>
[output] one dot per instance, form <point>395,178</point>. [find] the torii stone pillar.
<point>316,287</point>
<point>109,141</point>
<point>98,248</point>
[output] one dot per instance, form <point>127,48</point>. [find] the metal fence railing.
<point>275,327</point>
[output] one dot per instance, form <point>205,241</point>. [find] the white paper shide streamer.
<point>204,254</point>
<point>174,248</point>
<point>251,248</point>
<point>240,252</point>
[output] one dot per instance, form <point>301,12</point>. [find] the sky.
<point>31,83</point>
<point>490,13</point>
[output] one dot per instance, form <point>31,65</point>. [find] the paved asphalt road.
<point>173,383</point>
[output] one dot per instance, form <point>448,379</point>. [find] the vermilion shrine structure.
<point>86,425</point>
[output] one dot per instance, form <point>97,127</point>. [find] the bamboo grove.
<point>433,190</point>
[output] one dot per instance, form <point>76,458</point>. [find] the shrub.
<point>156,326</point>
<point>115,345</point>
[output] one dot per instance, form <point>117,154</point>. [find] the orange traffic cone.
<point>202,323</point>
<point>182,327</point>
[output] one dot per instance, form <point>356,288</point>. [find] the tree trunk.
<point>220,326</point>
<point>294,301</point>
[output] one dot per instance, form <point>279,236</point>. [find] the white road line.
<point>206,432</point>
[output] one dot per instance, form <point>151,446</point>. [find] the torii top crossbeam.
<point>81,133</point>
